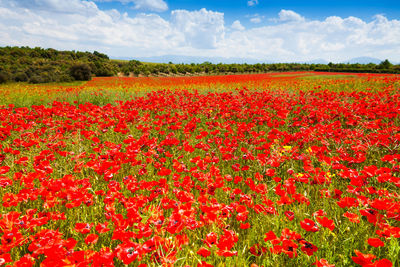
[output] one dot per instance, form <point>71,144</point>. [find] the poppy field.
<point>284,169</point>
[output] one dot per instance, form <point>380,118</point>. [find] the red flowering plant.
<point>263,169</point>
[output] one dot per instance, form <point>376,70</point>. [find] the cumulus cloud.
<point>252,2</point>
<point>236,25</point>
<point>81,25</point>
<point>289,15</point>
<point>147,5</point>
<point>86,28</point>
<point>201,29</point>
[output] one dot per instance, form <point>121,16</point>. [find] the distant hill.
<point>364,60</point>
<point>316,61</point>
<point>178,59</point>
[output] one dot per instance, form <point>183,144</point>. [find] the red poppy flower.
<point>323,263</point>
<point>211,239</point>
<point>241,217</point>
<point>347,202</point>
<point>226,253</point>
<point>104,258</point>
<point>10,200</point>
<point>129,251</point>
<point>91,239</point>
<point>270,172</point>
<point>4,181</point>
<point>25,261</point>
<point>319,213</point>
<point>375,242</point>
<point>227,240</point>
<point>203,252</point>
<point>164,172</point>
<point>289,214</point>
<point>309,225</point>
<point>236,167</point>
<point>245,225</point>
<point>270,236</point>
<point>363,259</point>
<point>83,228</point>
<point>4,169</point>
<point>325,222</point>
<point>276,249</point>
<point>289,248</point>
<point>352,217</point>
<point>175,224</point>
<point>308,248</point>
<point>102,227</point>
<point>382,263</point>
<point>5,258</point>
<point>204,264</point>
<point>257,250</point>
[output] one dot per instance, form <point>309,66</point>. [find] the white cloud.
<point>289,15</point>
<point>252,2</point>
<point>256,18</point>
<point>81,25</point>
<point>147,5</point>
<point>88,28</point>
<point>201,29</point>
<point>56,6</point>
<point>236,25</point>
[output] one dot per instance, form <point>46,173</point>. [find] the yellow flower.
<point>287,148</point>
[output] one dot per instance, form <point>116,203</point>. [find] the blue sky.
<point>235,9</point>
<point>242,9</point>
<point>264,30</point>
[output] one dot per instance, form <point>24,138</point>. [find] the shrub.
<point>37,79</point>
<point>4,77</point>
<point>65,78</point>
<point>81,72</point>
<point>21,77</point>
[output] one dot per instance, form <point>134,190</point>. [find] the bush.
<point>65,78</point>
<point>4,77</point>
<point>37,79</point>
<point>81,72</point>
<point>21,77</point>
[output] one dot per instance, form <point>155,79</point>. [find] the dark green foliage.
<point>100,55</point>
<point>384,67</point>
<point>21,77</point>
<point>4,77</point>
<point>385,64</point>
<point>131,66</point>
<point>38,79</point>
<point>38,65</point>
<point>81,72</point>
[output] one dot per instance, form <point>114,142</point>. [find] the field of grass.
<point>240,170</point>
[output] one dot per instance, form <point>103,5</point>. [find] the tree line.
<point>39,65</point>
<point>150,69</point>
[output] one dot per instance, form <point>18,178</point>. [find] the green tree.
<point>385,64</point>
<point>81,72</point>
<point>4,77</point>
